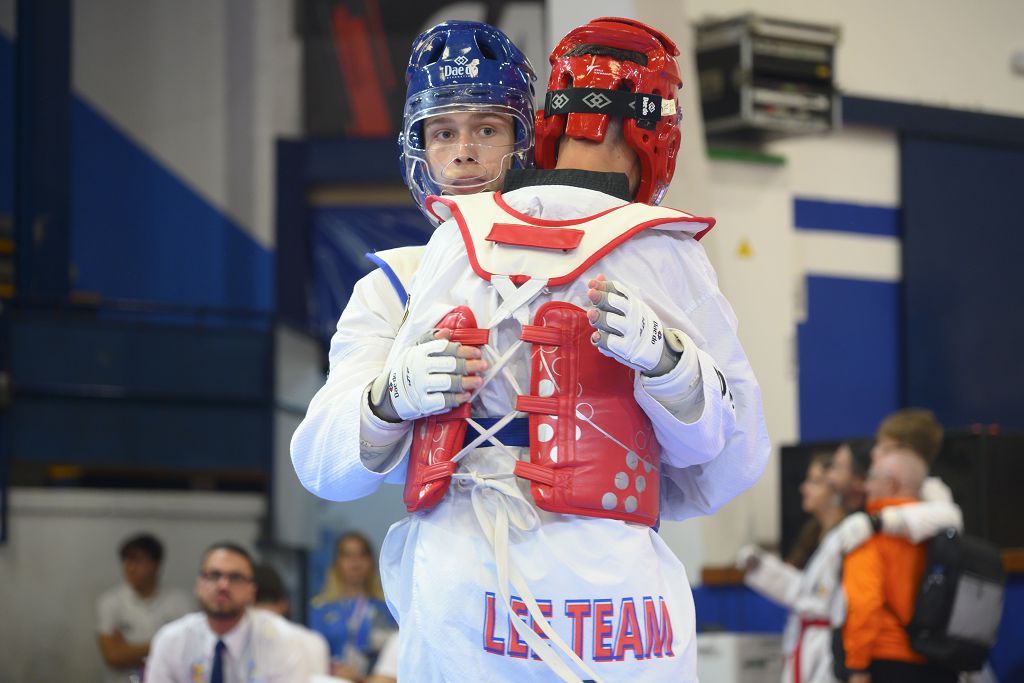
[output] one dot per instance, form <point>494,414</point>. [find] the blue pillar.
<point>42,152</point>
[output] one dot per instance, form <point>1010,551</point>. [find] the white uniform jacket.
<point>809,595</point>
<point>616,595</point>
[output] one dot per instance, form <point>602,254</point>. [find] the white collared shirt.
<point>261,648</point>
<point>136,618</point>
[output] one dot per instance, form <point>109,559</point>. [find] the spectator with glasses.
<point>227,641</point>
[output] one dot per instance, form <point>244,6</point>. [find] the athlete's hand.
<point>432,376</point>
<point>626,329</point>
<point>860,678</point>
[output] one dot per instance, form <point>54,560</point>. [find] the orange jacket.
<point>880,580</point>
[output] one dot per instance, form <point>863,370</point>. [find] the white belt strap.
<point>510,510</point>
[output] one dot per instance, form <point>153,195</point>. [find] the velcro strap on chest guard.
<point>437,438</point>
<point>593,451</point>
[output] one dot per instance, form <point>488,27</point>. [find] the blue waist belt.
<point>515,433</point>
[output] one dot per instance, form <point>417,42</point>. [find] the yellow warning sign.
<point>745,250</point>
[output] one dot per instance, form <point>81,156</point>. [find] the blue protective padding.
<point>139,232</point>
<point>58,354</point>
<point>329,160</point>
<point>176,435</point>
<point>515,433</point>
<point>813,214</point>
<point>6,126</point>
<point>737,609</point>
<point>96,391</point>
<point>392,276</point>
<point>849,357</point>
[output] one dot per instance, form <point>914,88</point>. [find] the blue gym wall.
<point>138,231</point>
<point>849,346</point>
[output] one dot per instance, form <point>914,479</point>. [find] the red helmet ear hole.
<point>646,137</point>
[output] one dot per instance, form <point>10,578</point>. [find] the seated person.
<point>128,615</point>
<point>350,610</point>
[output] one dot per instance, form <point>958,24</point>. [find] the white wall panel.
<point>204,86</point>
<point>855,165</point>
<point>944,53</point>
<point>752,250</point>
<point>849,255</point>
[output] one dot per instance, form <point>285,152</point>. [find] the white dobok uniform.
<point>617,596</point>
<point>814,595</point>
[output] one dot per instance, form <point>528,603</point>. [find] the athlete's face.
<point>225,585</point>
<point>469,152</point>
<point>815,490</point>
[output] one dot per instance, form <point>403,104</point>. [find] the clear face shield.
<point>460,149</point>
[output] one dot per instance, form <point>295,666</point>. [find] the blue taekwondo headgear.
<point>464,66</point>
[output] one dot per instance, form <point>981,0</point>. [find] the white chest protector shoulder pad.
<point>502,241</point>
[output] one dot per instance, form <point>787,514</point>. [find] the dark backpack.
<point>958,608</point>
<point>959,603</point>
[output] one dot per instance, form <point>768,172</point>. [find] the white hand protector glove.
<point>854,530</point>
<point>628,330</point>
<point>431,377</point>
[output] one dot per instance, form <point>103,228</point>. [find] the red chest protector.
<point>592,448</point>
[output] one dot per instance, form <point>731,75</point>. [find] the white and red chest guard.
<point>592,448</point>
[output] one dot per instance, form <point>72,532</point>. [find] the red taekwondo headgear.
<point>615,67</point>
